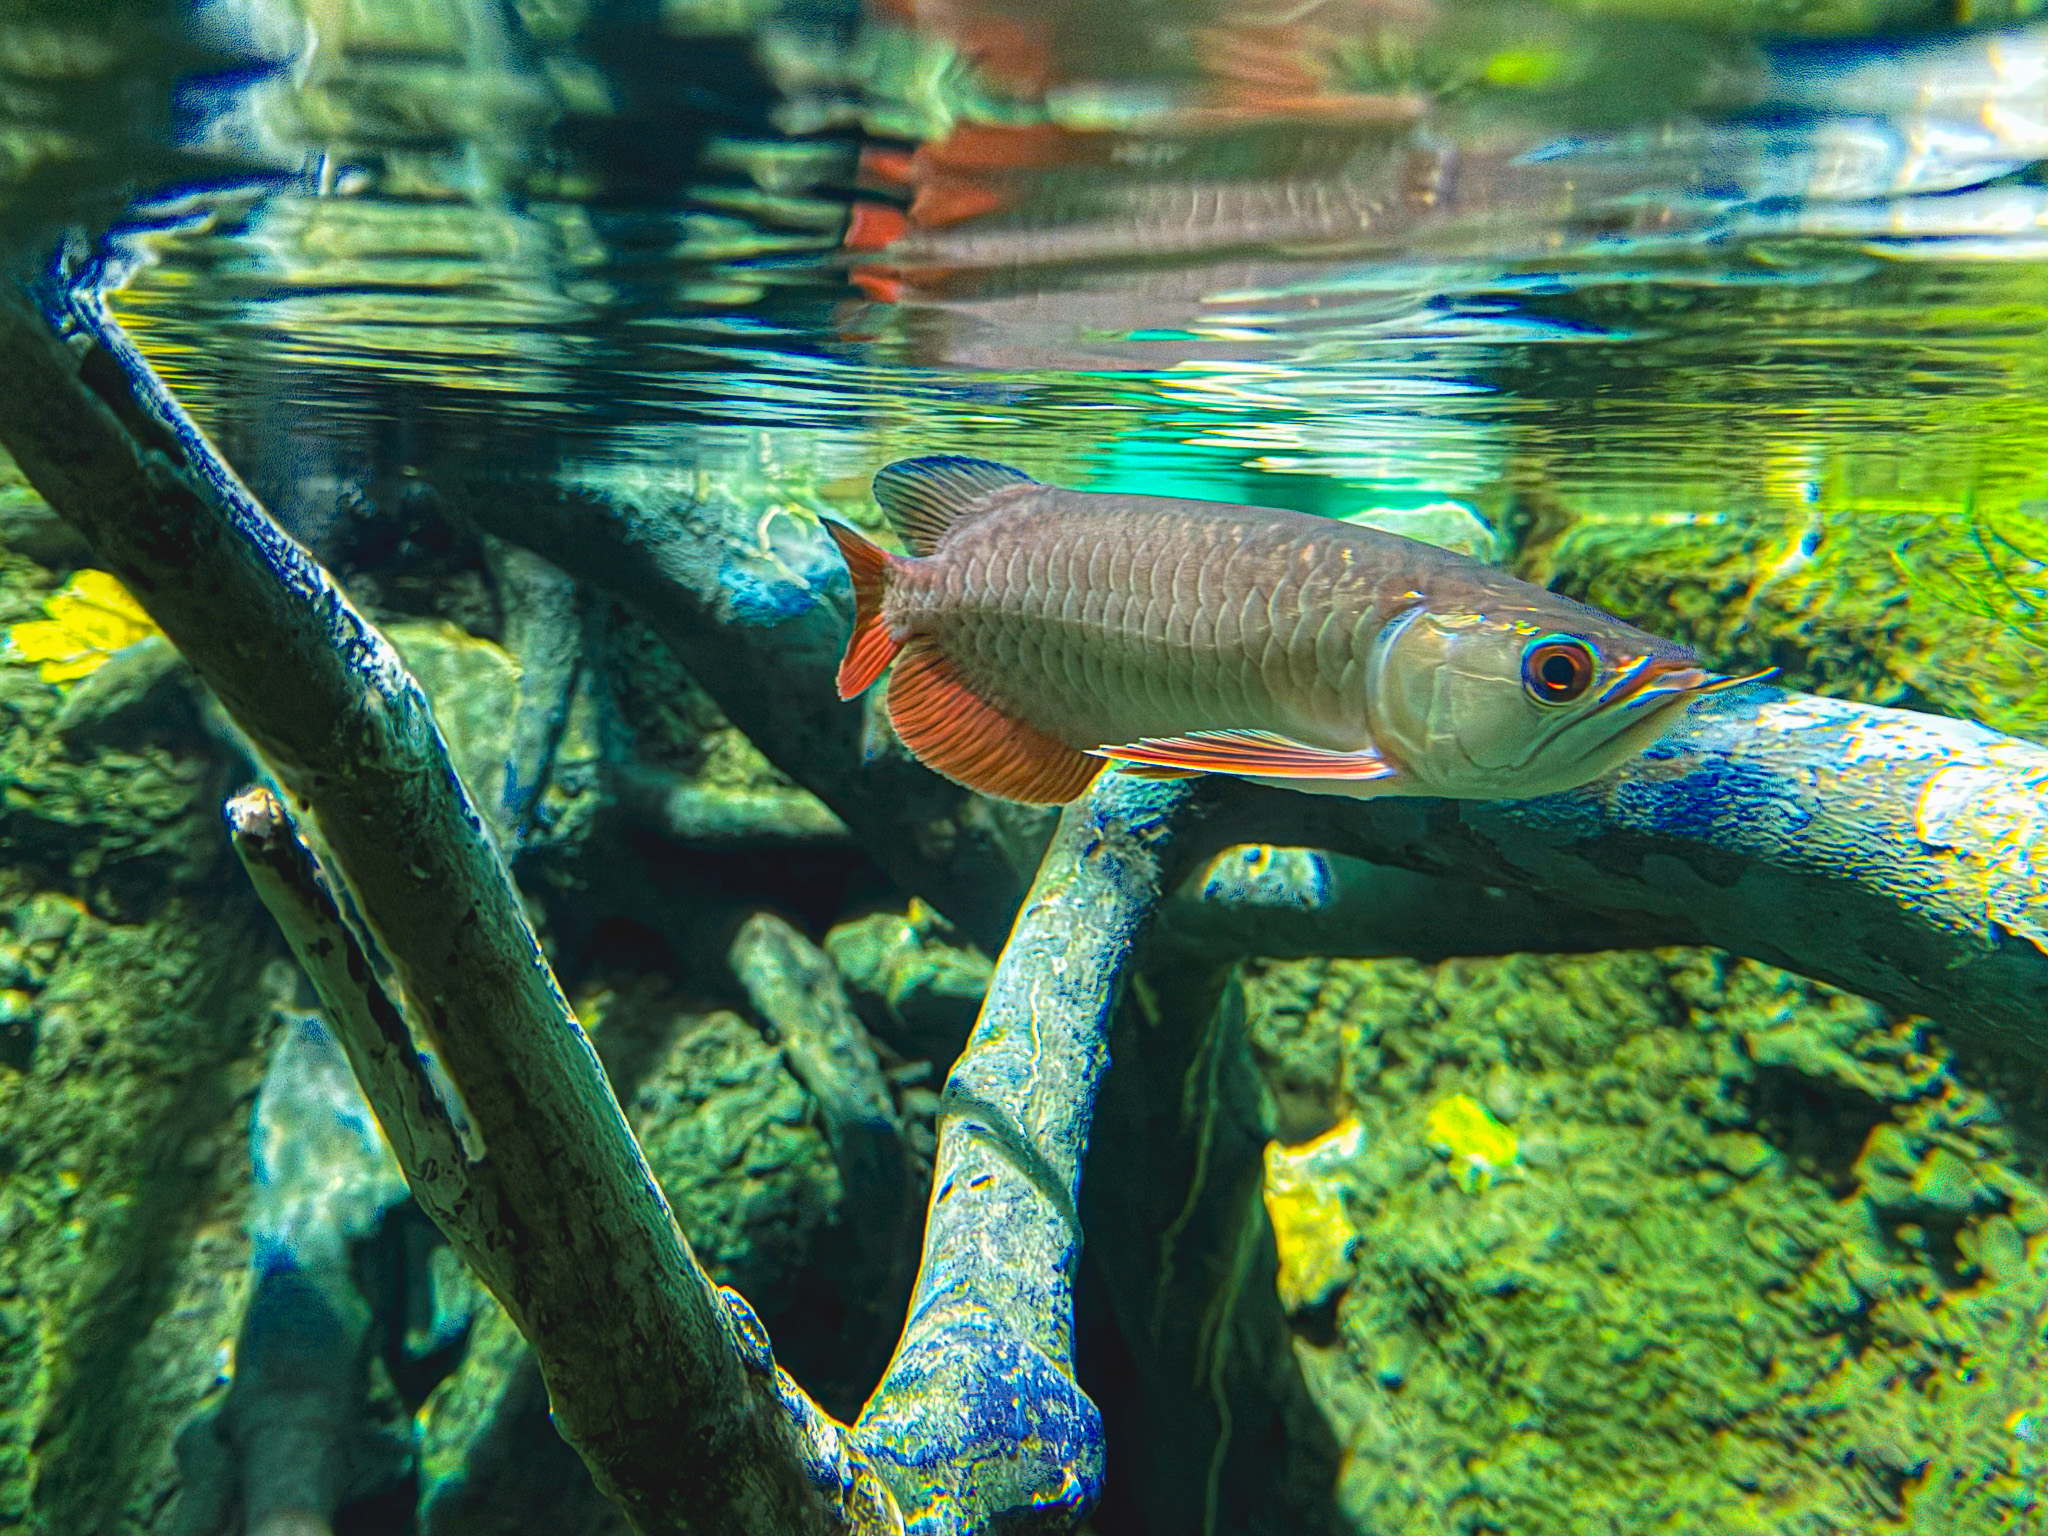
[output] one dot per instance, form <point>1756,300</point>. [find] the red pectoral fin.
<point>954,730</point>
<point>1253,754</point>
<point>1131,770</point>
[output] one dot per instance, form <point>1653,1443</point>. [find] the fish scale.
<point>1043,630</point>
<point>994,605</point>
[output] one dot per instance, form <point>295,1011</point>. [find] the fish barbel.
<point>1039,635</point>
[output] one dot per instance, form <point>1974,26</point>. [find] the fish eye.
<point>1557,671</point>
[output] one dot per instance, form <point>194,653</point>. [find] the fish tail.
<point>872,647</point>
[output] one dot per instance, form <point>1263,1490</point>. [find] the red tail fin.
<point>872,647</point>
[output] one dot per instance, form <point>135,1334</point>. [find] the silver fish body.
<point>1101,619</point>
<point>1201,636</point>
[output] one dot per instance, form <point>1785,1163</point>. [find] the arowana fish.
<point>1039,635</point>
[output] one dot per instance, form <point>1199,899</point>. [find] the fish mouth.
<point>1653,678</point>
<point>1639,704</point>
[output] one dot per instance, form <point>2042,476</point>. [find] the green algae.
<point>124,1256</point>
<point>1701,1304</point>
<point>135,991</point>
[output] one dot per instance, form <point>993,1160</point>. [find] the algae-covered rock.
<point>728,1131</point>
<point>123,1264</point>
<point>474,687</point>
<point>925,990</point>
<point>1726,1290</point>
<point>134,990</point>
<point>1480,1147</point>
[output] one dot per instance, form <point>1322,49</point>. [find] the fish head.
<point>1529,695</point>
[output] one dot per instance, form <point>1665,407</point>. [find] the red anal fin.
<point>954,731</point>
<point>872,647</point>
<point>1254,754</point>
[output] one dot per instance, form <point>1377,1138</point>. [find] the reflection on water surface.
<point>1402,245</point>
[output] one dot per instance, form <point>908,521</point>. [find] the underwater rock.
<point>1305,1202</point>
<point>474,686</point>
<point>123,1267</point>
<point>136,689</point>
<point>925,989</point>
<point>1675,1316</point>
<point>1799,1049</point>
<point>729,1132</point>
<point>110,783</point>
<point>1903,1180</point>
<point>131,995</point>
<point>1944,1182</point>
<point>1998,1249</point>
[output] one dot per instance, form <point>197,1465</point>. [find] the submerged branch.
<point>684,811</point>
<point>1902,856</point>
<point>1253,900</point>
<point>978,1423</point>
<point>794,986</point>
<point>542,631</point>
<point>663,1385</point>
<point>425,1135</point>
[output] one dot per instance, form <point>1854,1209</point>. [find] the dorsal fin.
<point>925,497</point>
